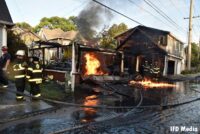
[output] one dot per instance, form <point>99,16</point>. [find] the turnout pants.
<point>3,78</point>
<point>35,89</point>
<point>20,85</point>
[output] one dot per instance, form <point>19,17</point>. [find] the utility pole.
<point>190,36</point>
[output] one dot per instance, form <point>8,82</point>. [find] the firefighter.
<point>156,71</point>
<point>34,76</point>
<point>4,63</point>
<point>19,69</point>
<point>146,70</point>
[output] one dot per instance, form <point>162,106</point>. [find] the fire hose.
<point>71,104</point>
<point>108,119</point>
<point>74,104</point>
<point>105,107</point>
<point>121,116</point>
<point>100,106</point>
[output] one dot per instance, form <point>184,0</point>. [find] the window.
<point>163,40</point>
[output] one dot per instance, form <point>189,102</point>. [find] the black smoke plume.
<point>91,18</point>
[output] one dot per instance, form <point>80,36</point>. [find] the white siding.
<point>3,36</point>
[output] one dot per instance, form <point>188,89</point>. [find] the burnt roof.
<point>129,31</point>
<point>125,36</point>
<point>5,17</point>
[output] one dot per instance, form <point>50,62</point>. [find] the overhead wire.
<point>176,7</point>
<point>163,14</point>
<point>156,17</point>
<point>19,10</point>
<point>142,31</point>
<point>83,3</point>
<point>137,22</point>
<point>197,23</point>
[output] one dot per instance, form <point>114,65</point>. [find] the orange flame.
<point>92,66</point>
<point>149,84</point>
<point>90,101</point>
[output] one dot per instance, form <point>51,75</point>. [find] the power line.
<point>19,10</point>
<point>195,12</point>
<point>164,15</point>
<point>197,23</point>
<point>142,31</point>
<point>178,9</point>
<point>119,13</point>
<point>156,17</point>
<point>83,3</point>
<point>174,5</point>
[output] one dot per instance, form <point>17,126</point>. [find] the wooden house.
<point>27,36</point>
<point>143,43</point>
<point>59,36</point>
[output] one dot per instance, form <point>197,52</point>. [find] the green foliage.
<point>14,44</point>
<point>188,72</point>
<point>24,25</point>
<point>57,22</point>
<point>117,29</point>
<point>194,71</point>
<point>194,58</point>
<point>107,40</point>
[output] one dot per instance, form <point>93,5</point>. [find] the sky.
<point>31,11</point>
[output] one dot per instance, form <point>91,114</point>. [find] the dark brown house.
<point>142,43</point>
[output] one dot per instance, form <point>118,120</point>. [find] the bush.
<point>194,71</point>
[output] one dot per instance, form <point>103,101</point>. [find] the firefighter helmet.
<point>20,53</point>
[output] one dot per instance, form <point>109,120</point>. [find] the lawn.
<point>51,90</point>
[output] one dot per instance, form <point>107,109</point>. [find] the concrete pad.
<point>9,107</point>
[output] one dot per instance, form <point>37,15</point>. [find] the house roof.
<point>5,17</point>
<point>123,37</point>
<point>74,35</point>
<point>26,35</point>
<point>51,34</point>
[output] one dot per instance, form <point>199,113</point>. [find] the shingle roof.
<point>5,17</point>
<point>51,34</point>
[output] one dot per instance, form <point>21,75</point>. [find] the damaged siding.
<point>152,45</point>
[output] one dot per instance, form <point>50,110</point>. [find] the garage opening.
<point>171,66</point>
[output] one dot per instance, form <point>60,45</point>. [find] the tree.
<point>194,58</point>
<point>24,25</point>
<point>57,22</point>
<point>14,44</point>
<point>107,38</point>
<point>117,29</point>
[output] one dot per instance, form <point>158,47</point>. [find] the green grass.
<point>51,90</point>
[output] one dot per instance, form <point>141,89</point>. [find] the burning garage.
<point>83,62</point>
<point>144,44</point>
